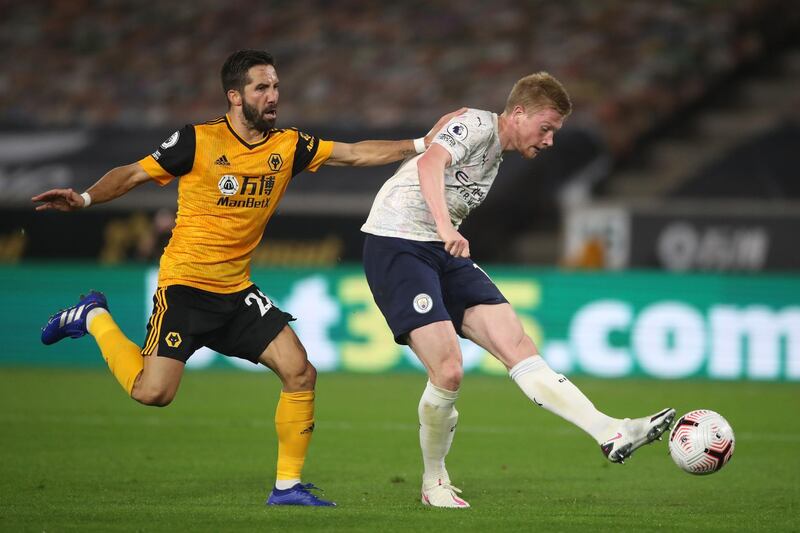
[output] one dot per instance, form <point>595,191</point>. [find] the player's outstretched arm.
<point>373,153</point>
<point>369,153</point>
<point>113,184</point>
<point>431,183</point>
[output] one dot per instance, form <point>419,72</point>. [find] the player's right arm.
<point>174,157</point>
<point>373,153</point>
<point>113,184</point>
<point>431,182</point>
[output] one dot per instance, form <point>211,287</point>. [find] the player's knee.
<point>152,396</point>
<point>449,374</point>
<point>304,378</point>
<point>309,377</point>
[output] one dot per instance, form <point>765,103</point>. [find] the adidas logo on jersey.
<point>222,161</point>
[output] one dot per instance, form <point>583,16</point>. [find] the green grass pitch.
<point>77,455</point>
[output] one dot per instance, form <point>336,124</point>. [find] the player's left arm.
<point>373,153</point>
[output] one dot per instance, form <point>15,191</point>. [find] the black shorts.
<point>418,283</point>
<point>240,324</point>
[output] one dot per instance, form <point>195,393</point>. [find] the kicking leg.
<point>436,345</point>
<point>498,329</point>
<point>158,382</point>
<point>294,418</point>
<point>90,315</point>
<point>150,380</point>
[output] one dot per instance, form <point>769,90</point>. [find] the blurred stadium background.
<point>657,240</point>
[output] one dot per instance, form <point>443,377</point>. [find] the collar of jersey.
<point>245,143</point>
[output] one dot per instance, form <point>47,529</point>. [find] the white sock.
<point>283,484</point>
<point>437,426</point>
<point>558,395</point>
<point>93,313</point>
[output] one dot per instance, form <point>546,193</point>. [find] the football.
<point>701,442</point>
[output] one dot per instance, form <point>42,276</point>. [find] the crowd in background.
<point>359,63</point>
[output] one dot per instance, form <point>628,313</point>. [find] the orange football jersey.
<point>227,192</point>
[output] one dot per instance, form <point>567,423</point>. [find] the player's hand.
<point>454,243</point>
<point>59,199</point>
<point>440,124</point>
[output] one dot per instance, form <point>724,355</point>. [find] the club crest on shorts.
<point>173,339</point>
<point>422,303</point>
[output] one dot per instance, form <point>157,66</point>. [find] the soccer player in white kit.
<point>421,277</point>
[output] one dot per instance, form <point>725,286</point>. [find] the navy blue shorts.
<point>417,283</point>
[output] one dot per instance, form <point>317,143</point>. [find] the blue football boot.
<point>71,322</point>
<point>298,495</point>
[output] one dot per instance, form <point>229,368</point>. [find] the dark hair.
<point>234,70</point>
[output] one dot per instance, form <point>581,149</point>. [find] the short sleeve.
<point>175,156</point>
<point>310,153</point>
<point>463,135</point>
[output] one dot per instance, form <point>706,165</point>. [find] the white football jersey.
<point>400,210</point>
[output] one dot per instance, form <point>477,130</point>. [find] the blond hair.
<point>537,91</point>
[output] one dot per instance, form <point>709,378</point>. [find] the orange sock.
<point>122,356</point>
<point>294,423</point>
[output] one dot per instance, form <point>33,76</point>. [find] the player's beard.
<point>257,119</point>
